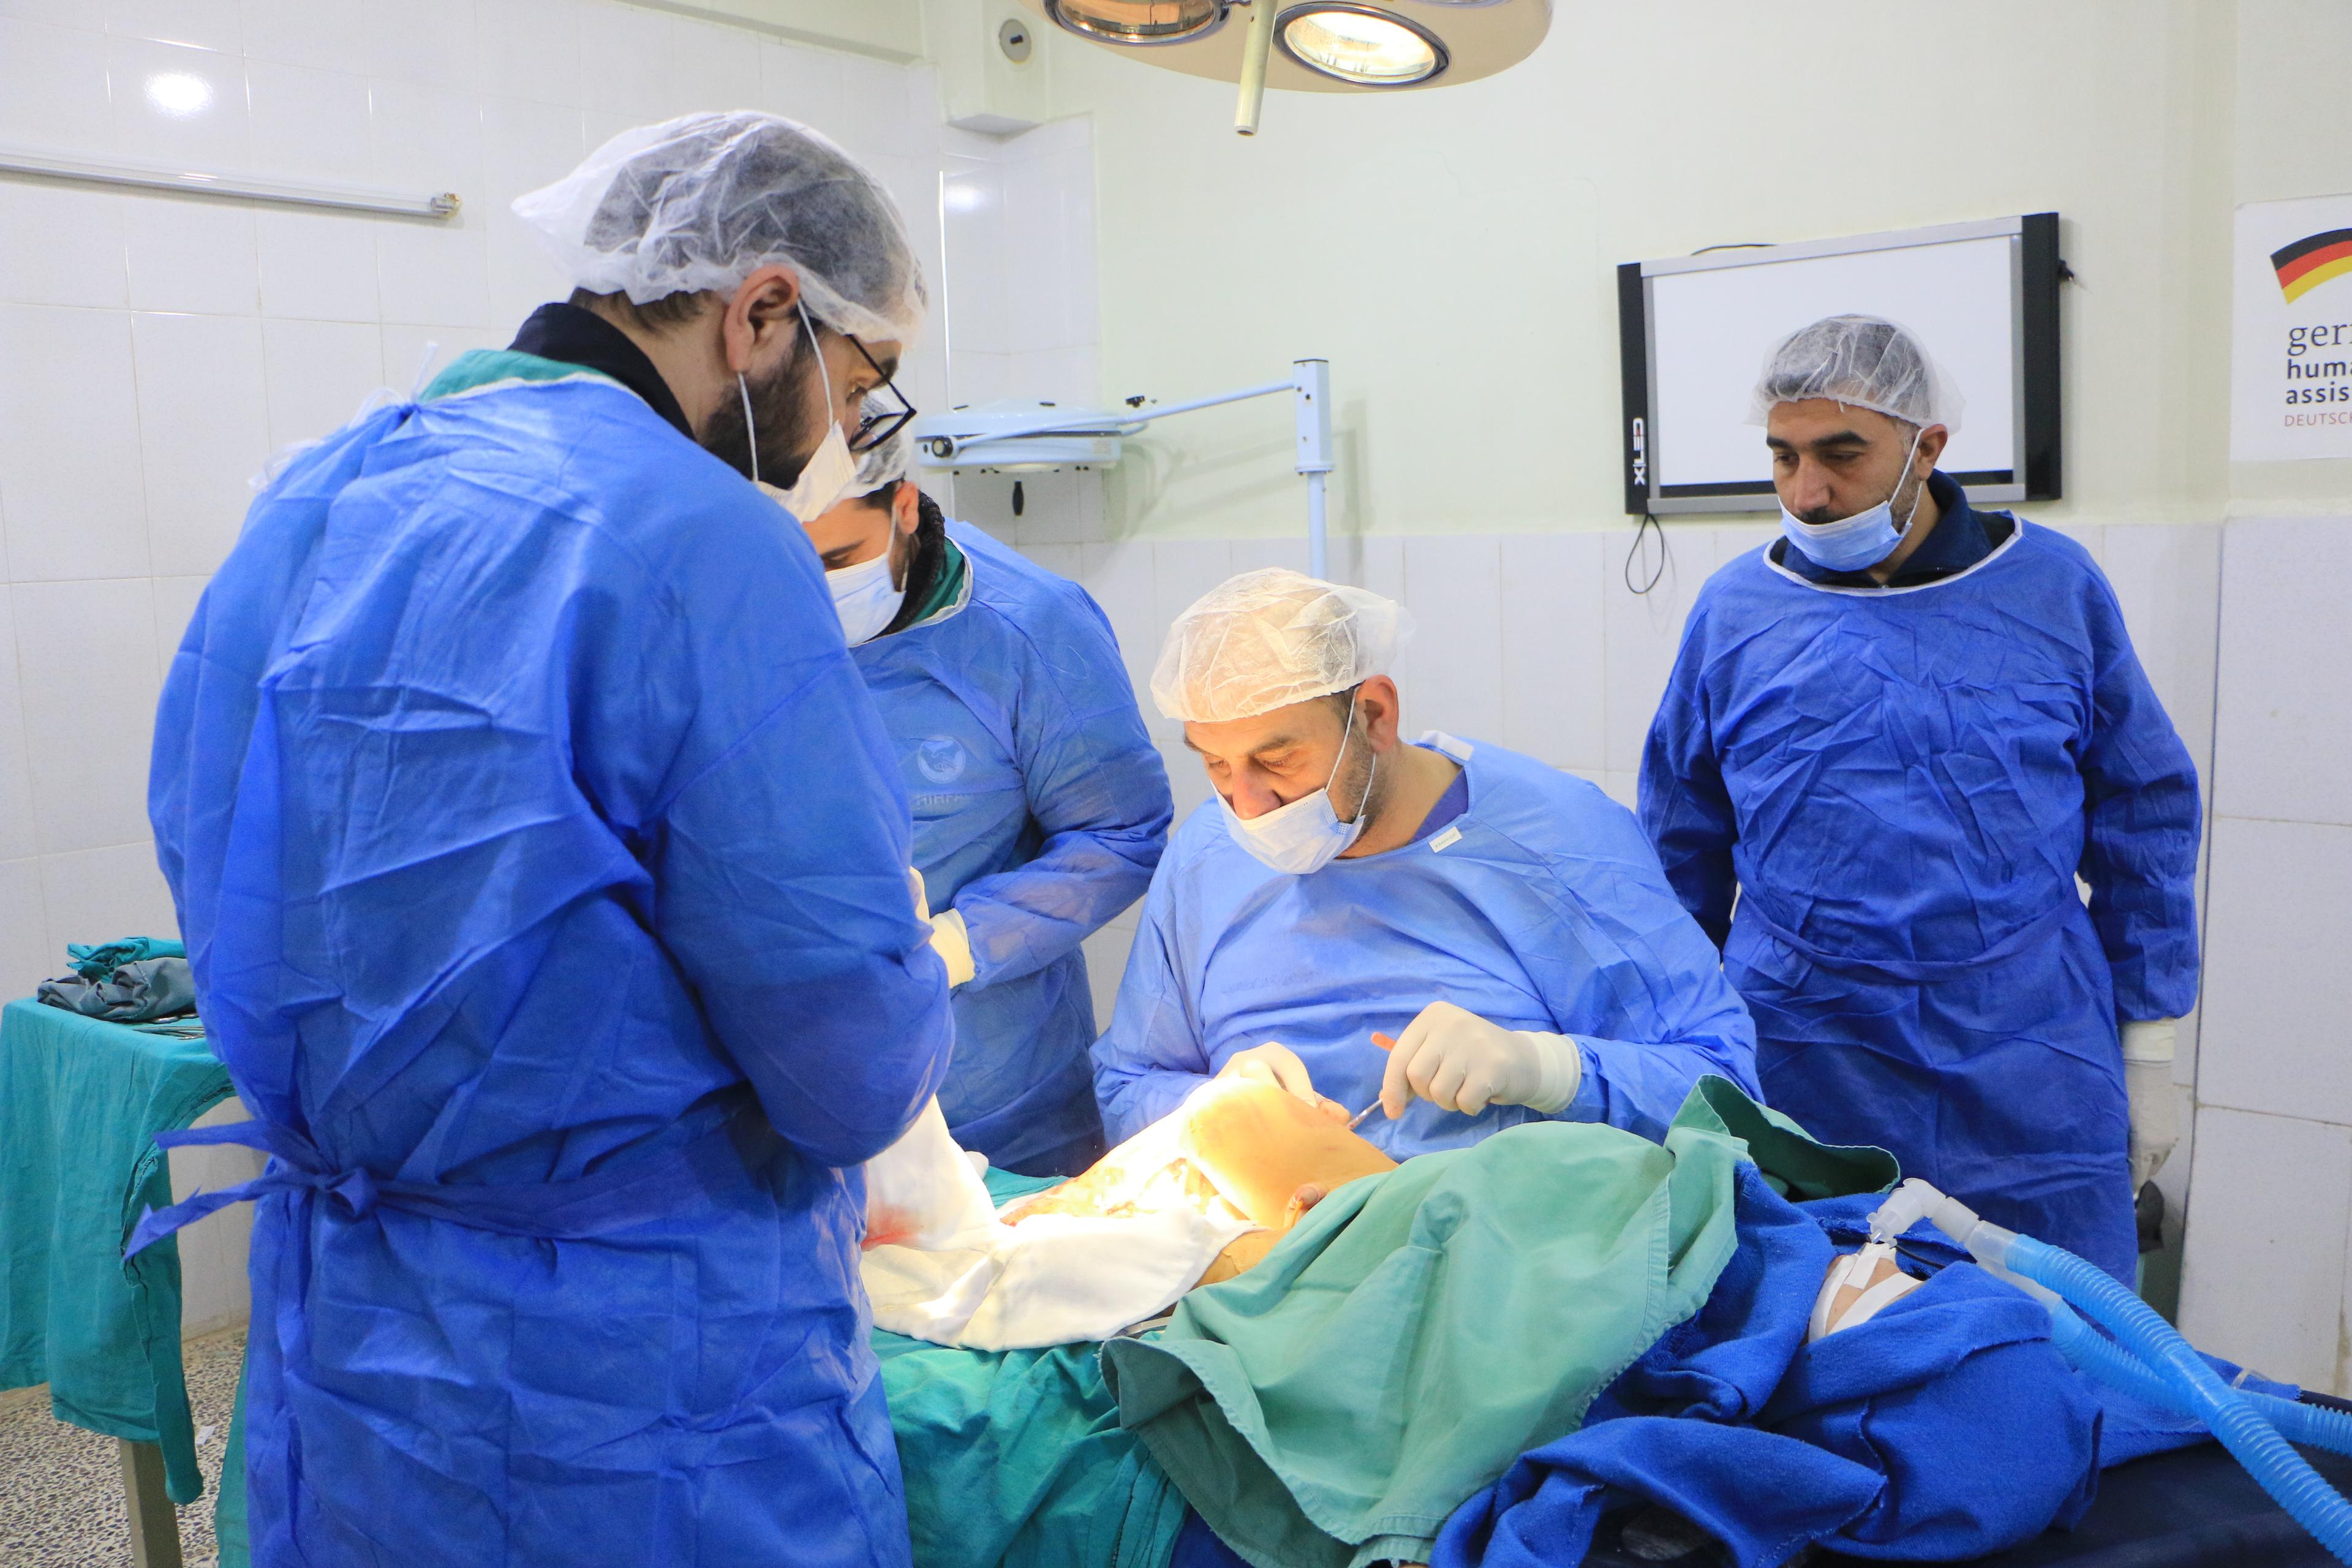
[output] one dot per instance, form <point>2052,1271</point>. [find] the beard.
<point>779,408</point>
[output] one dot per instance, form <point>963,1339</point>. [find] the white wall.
<point>154,351</point>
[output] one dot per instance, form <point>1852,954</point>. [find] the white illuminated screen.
<point>1711,329</point>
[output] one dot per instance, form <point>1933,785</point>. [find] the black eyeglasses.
<point>878,419</point>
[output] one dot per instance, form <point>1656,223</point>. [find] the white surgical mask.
<point>1307,835</point>
<point>1865,539</point>
<point>865,598</point>
<point>832,468</point>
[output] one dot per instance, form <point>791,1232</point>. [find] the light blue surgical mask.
<point>1305,835</point>
<point>1864,539</point>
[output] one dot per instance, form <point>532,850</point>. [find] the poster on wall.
<point>2291,350</point>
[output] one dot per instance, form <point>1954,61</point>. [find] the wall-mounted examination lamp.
<point>1009,438</point>
<point>1312,45</point>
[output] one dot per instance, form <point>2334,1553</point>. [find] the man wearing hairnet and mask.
<point>1041,805</point>
<point>1893,739</point>
<point>545,871</point>
<point>1446,937</point>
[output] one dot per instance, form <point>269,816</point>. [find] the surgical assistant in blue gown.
<point>1902,784</point>
<point>543,864</point>
<point>1539,907</point>
<point>1041,806</point>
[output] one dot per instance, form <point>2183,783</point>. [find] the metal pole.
<point>1254,52</point>
<point>154,1523</point>
<point>1312,404</point>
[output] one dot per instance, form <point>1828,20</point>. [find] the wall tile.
<point>70,478</point>
<point>98,895</point>
<point>76,14</point>
<point>204,433</point>
<point>18,838</point>
<point>1640,633</point>
<point>1119,576</point>
<point>25,959</point>
<point>1064,508</point>
<point>89,774</point>
<point>531,48</point>
<point>309,124</point>
<point>2168,577</point>
<point>1106,952</point>
<point>623,61</point>
<point>190,254</point>
<point>801,84</point>
<point>60,245</point>
<point>319,32</point>
<point>711,68</point>
<point>175,606</point>
<point>319,374</point>
<point>55,86</point>
<point>1453,584</point>
<point>169,103</point>
<point>2092,537</point>
<point>875,121</point>
<point>203,24</point>
<point>977,378</point>
<point>317,265</point>
<point>1181,570</point>
<point>2277,988</point>
<point>2282,742</point>
<point>977,286</point>
<point>1553,666</point>
<point>424,138</point>
<point>434,274</point>
<point>525,146</point>
<point>1066,377</point>
<point>428,41</point>
<point>2262,1283</point>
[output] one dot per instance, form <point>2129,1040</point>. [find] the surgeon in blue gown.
<point>1893,739</point>
<point>1461,937</point>
<point>545,872</point>
<point>1041,805</point>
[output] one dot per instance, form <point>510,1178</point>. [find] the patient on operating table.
<point>1196,1197</point>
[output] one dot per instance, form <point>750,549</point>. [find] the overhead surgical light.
<point>1137,21</point>
<point>1312,45</point>
<point>1361,44</point>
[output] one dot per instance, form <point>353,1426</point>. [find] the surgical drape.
<point>1901,785</point>
<point>1041,807</point>
<point>529,828</point>
<point>1539,908</point>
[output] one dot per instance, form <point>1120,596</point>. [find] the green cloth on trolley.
<point>98,961</point>
<point>1419,1329</point>
<point>80,1103</point>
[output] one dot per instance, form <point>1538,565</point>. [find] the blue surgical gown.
<point>1539,908</point>
<point>531,828</point>
<point>1902,785</point>
<point>1041,806</point>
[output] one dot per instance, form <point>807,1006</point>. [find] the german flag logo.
<point>2307,263</point>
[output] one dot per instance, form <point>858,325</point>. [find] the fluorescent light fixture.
<point>179,93</point>
<point>1138,21</point>
<point>251,187</point>
<point>1361,44</point>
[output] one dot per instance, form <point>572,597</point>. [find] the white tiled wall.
<point>2271,1200</point>
<point>155,350</point>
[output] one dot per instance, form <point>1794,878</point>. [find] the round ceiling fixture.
<point>1360,44</point>
<point>1138,21</point>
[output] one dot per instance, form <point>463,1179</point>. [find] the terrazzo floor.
<point>61,1487</point>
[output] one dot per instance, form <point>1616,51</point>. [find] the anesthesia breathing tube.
<point>2147,1358</point>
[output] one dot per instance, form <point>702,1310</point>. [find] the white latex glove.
<point>953,944</point>
<point>922,898</point>
<point>2147,1084</point>
<point>1280,1066</point>
<point>1456,1061</point>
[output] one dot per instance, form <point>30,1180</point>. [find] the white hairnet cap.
<point>1271,638</point>
<point>702,202</point>
<point>1867,362</point>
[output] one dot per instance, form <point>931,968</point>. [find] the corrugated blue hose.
<point>2197,1390</point>
<point>2112,1364</point>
